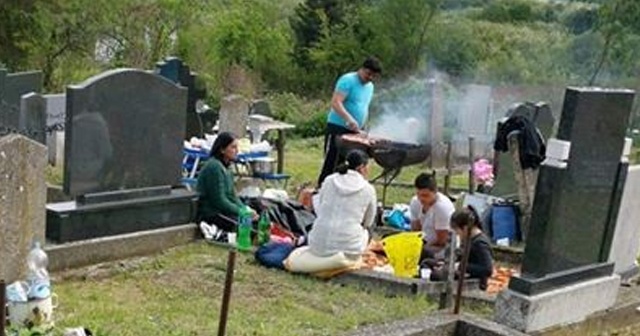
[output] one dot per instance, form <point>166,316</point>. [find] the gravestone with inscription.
<point>123,152</point>
<point>178,72</point>
<point>22,202</point>
<point>56,106</point>
<point>574,215</point>
<point>12,87</point>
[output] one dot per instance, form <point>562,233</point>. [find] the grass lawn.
<point>179,293</point>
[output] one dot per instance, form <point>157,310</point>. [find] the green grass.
<point>179,293</point>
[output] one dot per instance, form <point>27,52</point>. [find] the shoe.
<point>207,231</point>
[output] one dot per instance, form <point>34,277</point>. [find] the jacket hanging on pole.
<point>531,143</point>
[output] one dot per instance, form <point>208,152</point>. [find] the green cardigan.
<point>217,191</point>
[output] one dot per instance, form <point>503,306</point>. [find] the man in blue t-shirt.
<point>349,110</point>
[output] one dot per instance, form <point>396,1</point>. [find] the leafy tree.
<point>15,24</point>
<point>401,28</point>
<point>314,20</point>
<point>617,18</point>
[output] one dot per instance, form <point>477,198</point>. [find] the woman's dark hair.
<point>464,217</point>
<point>355,159</point>
<point>223,141</point>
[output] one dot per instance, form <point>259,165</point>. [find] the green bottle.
<point>264,226</point>
<point>244,229</point>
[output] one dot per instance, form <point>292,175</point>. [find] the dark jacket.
<point>480,263</point>
<point>217,191</point>
<point>531,144</point>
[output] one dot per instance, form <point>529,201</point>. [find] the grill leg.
<point>387,177</point>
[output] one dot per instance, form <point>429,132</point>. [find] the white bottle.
<point>38,276</point>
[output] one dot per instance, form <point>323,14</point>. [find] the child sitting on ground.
<point>480,265</point>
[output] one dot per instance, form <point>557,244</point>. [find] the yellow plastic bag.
<point>403,250</point>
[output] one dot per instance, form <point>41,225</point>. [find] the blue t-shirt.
<point>356,101</point>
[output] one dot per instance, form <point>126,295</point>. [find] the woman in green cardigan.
<point>218,203</point>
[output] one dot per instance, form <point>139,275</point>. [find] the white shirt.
<point>436,218</point>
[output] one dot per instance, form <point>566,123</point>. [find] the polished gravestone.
<point>123,143</point>
<point>33,119</point>
<point>178,72</point>
<point>574,215</point>
<point>12,87</point>
<point>22,202</point>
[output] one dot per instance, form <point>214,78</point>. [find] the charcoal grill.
<point>392,156</point>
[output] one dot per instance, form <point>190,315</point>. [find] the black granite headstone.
<point>124,130</point>
<point>571,222</point>
<point>175,70</point>
<point>33,117</point>
<point>12,87</point>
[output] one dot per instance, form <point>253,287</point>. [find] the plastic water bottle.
<point>38,276</point>
<point>263,228</point>
<point>244,229</point>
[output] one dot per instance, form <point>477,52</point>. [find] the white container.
<point>558,149</point>
<point>34,312</point>
<point>626,150</point>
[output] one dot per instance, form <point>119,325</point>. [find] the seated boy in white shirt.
<point>431,213</point>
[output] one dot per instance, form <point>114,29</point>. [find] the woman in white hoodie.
<point>346,208</point>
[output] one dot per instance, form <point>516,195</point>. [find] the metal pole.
<point>447,294</point>
<point>226,295</point>
<point>472,155</point>
<point>447,178</point>
<point>280,147</point>
<point>463,269</point>
<point>3,307</point>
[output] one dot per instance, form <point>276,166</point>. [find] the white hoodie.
<point>346,206</point>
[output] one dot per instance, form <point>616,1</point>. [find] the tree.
<point>314,20</point>
<point>617,18</point>
<point>15,24</point>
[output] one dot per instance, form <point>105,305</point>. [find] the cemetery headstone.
<point>56,106</point>
<point>122,132</point>
<point>12,87</point>
<point>234,115</point>
<point>178,72</point>
<point>473,118</point>
<point>625,247</point>
<point>22,202</point>
<point>123,152</point>
<point>571,225</point>
<point>33,117</point>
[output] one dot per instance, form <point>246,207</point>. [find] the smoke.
<point>401,118</point>
<point>430,109</point>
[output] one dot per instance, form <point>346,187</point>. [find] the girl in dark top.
<point>480,263</point>
<point>218,202</point>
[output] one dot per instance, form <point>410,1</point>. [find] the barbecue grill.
<point>392,156</point>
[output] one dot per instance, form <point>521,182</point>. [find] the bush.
<point>309,116</point>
